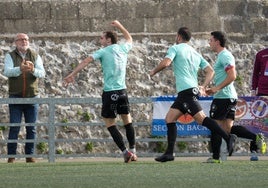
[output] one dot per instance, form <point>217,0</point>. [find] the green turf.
<point>179,174</point>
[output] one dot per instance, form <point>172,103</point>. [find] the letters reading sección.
<point>180,128</point>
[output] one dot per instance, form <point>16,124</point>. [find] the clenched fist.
<point>27,66</point>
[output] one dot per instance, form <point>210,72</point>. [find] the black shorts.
<point>187,101</point>
<point>221,109</point>
<point>114,102</point>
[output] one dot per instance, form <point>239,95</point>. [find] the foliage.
<point>59,151</point>
<point>89,146</point>
<point>160,147</point>
<point>87,116</point>
<point>182,146</point>
<point>239,79</point>
<point>42,147</point>
<point>3,128</point>
<point>65,120</point>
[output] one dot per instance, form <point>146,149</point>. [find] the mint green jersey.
<point>224,62</point>
<point>186,63</point>
<point>113,59</point>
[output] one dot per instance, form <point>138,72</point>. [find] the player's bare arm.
<point>71,77</point>
<point>231,76</point>
<point>123,30</point>
<point>162,65</point>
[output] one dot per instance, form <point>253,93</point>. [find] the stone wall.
<point>244,20</point>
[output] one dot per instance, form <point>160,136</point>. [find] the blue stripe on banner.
<point>172,98</point>
<point>164,98</point>
<point>159,128</point>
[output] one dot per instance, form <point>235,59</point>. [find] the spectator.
<point>260,74</point>
<point>23,67</point>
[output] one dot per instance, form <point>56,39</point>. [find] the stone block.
<point>253,9</point>
<point>160,25</point>
<point>132,25</point>
<point>265,11</point>
<point>234,25</point>
<point>85,25</point>
<point>17,26</point>
<point>91,10</point>
<point>64,10</point>
<point>147,9</point>
<point>120,10</point>
<point>232,7</point>
<point>168,8</point>
<point>36,10</point>
<point>2,12</point>
<point>240,38</point>
<point>99,25</point>
<point>260,26</point>
<point>70,25</point>
<point>46,25</point>
<point>11,10</point>
<point>208,19</point>
<point>2,25</point>
<point>185,22</point>
<point>41,26</point>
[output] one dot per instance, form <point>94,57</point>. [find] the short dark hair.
<point>220,36</point>
<point>112,35</point>
<point>185,33</point>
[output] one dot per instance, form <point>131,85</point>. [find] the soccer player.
<point>113,59</point>
<point>186,63</point>
<point>223,106</point>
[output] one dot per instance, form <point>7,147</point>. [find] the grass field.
<point>144,173</point>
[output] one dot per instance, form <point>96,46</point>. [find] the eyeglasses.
<point>22,39</point>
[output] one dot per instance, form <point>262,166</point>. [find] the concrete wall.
<point>245,21</point>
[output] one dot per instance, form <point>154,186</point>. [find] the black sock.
<point>215,141</point>
<point>253,146</point>
<point>171,137</point>
<point>242,132</point>
<point>130,134</point>
<point>213,126</point>
<point>117,137</point>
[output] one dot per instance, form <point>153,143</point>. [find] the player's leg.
<point>171,119</point>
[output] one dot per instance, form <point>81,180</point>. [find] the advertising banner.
<point>252,113</point>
